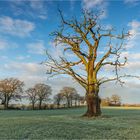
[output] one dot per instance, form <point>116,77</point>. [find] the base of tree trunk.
<point>93,107</point>
<point>89,114</point>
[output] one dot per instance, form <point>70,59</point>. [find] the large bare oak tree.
<point>85,38</point>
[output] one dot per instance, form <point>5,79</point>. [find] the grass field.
<point>67,124</point>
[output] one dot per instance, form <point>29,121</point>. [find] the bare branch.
<point>118,79</point>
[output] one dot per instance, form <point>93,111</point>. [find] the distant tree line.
<point>12,89</point>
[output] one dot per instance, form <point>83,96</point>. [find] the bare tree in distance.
<point>43,92</point>
<point>84,38</point>
<point>10,88</point>
<point>57,99</point>
<point>115,99</point>
<point>32,96</point>
<point>1,98</point>
<point>76,98</point>
<point>67,93</point>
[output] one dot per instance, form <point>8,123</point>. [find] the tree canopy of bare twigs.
<point>57,99</point>
<point>68,93</point>
<point>32,96</point>
<point>38,94</point>
<point>43,92</point>
<point>115,99</point>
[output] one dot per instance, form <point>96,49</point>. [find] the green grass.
<point>68,124</point>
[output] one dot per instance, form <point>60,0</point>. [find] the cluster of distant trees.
<point>69,97</point>
<point>12,89</point>
<point>114,100</point>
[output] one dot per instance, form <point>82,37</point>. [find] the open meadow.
<point>118,123</point>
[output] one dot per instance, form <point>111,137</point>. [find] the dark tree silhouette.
<point>32,96</point>
<point>57,99</point>
<point>68,93</point>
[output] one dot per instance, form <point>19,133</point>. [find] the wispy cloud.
<point>92,3</point>
<point>21,57</point>
<point>29,72</point>
<point>5,44</point>
<point>99,5</point>
<point>15,27</point>
<point>31,8</point>
<point>132,2</point>
<point>30,68</point>
<point>135,34</point>
<point>36,48</point>
<point>58,51</point>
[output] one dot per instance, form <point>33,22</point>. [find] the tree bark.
<point>33,105</point>
<point>6,103</point>
<point>58,104</point>
<point>93,106</point>
<point>92,98</point>
<point>68,103</point>
<point>75,102</point>
<point>40,104</point>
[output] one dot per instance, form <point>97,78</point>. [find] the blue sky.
<point>25,26</point>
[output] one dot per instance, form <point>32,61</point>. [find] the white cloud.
<point>36,48</point>
<point>15,27</point>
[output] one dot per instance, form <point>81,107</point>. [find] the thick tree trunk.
<point>6,103</point>
<point>40,104</point>
<point>33,106</point>
<point>58,104</point>
<point>78,103</point>
<point>92,98</point>
<point>75,102</point>
<point>93,106</point>
<point>68,103</point>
